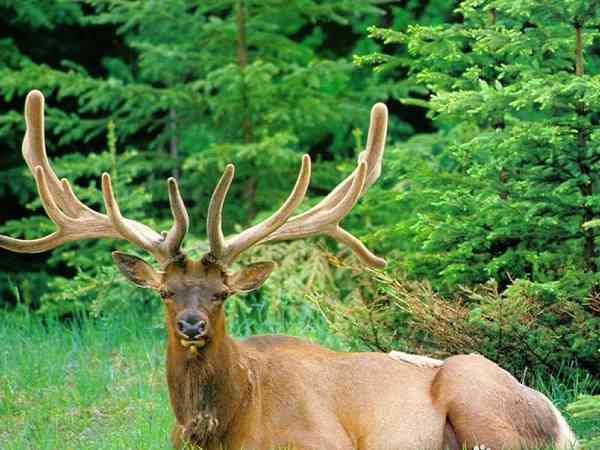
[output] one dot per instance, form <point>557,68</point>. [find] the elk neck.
<point>217,383</point>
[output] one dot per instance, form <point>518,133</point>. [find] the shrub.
<point>521,328</point>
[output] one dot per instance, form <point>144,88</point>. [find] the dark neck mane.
<point>209,391</point>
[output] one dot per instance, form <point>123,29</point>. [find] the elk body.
<point>270,392</point>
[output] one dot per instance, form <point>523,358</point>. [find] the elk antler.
<point>73,219</point>
<point>226,252</point>
<point>322,219</point>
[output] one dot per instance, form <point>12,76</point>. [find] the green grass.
<point>100,384</point>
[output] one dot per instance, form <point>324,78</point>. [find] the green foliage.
<point>524,162</point>
<point>220,73</point>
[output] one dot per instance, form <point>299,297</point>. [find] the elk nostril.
<point>181,325</point>
<point>201,326</point>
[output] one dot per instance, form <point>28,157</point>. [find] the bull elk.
<point>270,392</point>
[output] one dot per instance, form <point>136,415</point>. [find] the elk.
<point>270,392</point>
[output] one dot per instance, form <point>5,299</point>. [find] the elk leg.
<point>450,440</point>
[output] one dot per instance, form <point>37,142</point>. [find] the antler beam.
<point>227,251</point>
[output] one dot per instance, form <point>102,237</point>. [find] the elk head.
<point>194,291</point>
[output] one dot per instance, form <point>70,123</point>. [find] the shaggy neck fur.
<point>209,390</point>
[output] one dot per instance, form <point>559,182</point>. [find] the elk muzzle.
<point>193,329</point>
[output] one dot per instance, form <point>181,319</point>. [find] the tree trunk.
<point>578,52</point>
<point>173,151</point>
<point>242,51</point>
<point>247,129</point>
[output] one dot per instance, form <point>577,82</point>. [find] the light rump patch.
<point>417,360</point>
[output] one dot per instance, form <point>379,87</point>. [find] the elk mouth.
<point>193,345</point>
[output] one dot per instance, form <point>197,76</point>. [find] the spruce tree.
<point>513,79</point>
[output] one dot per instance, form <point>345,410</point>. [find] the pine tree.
<point>222,71</point>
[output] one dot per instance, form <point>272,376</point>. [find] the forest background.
<point>487,210</point>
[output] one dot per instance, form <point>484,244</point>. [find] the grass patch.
<point>97,385</point>
<point>100,384</point>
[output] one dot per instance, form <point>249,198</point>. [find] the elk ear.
<point>138,271</point>
<point>250,277</point>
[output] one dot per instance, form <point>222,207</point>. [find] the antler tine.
<point>34,151</point>
<point>339,211</point>
<point>359,249</point>
<point>126,229</point>
<point>373,155</point>
<point>237,244</point>
<point>163,248</point>
<point>73,219</point>
<point>181,220</point>
<point>47,242</point>
<point>214,228</point>
<point>48,203</point>
<point>31,246</point>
